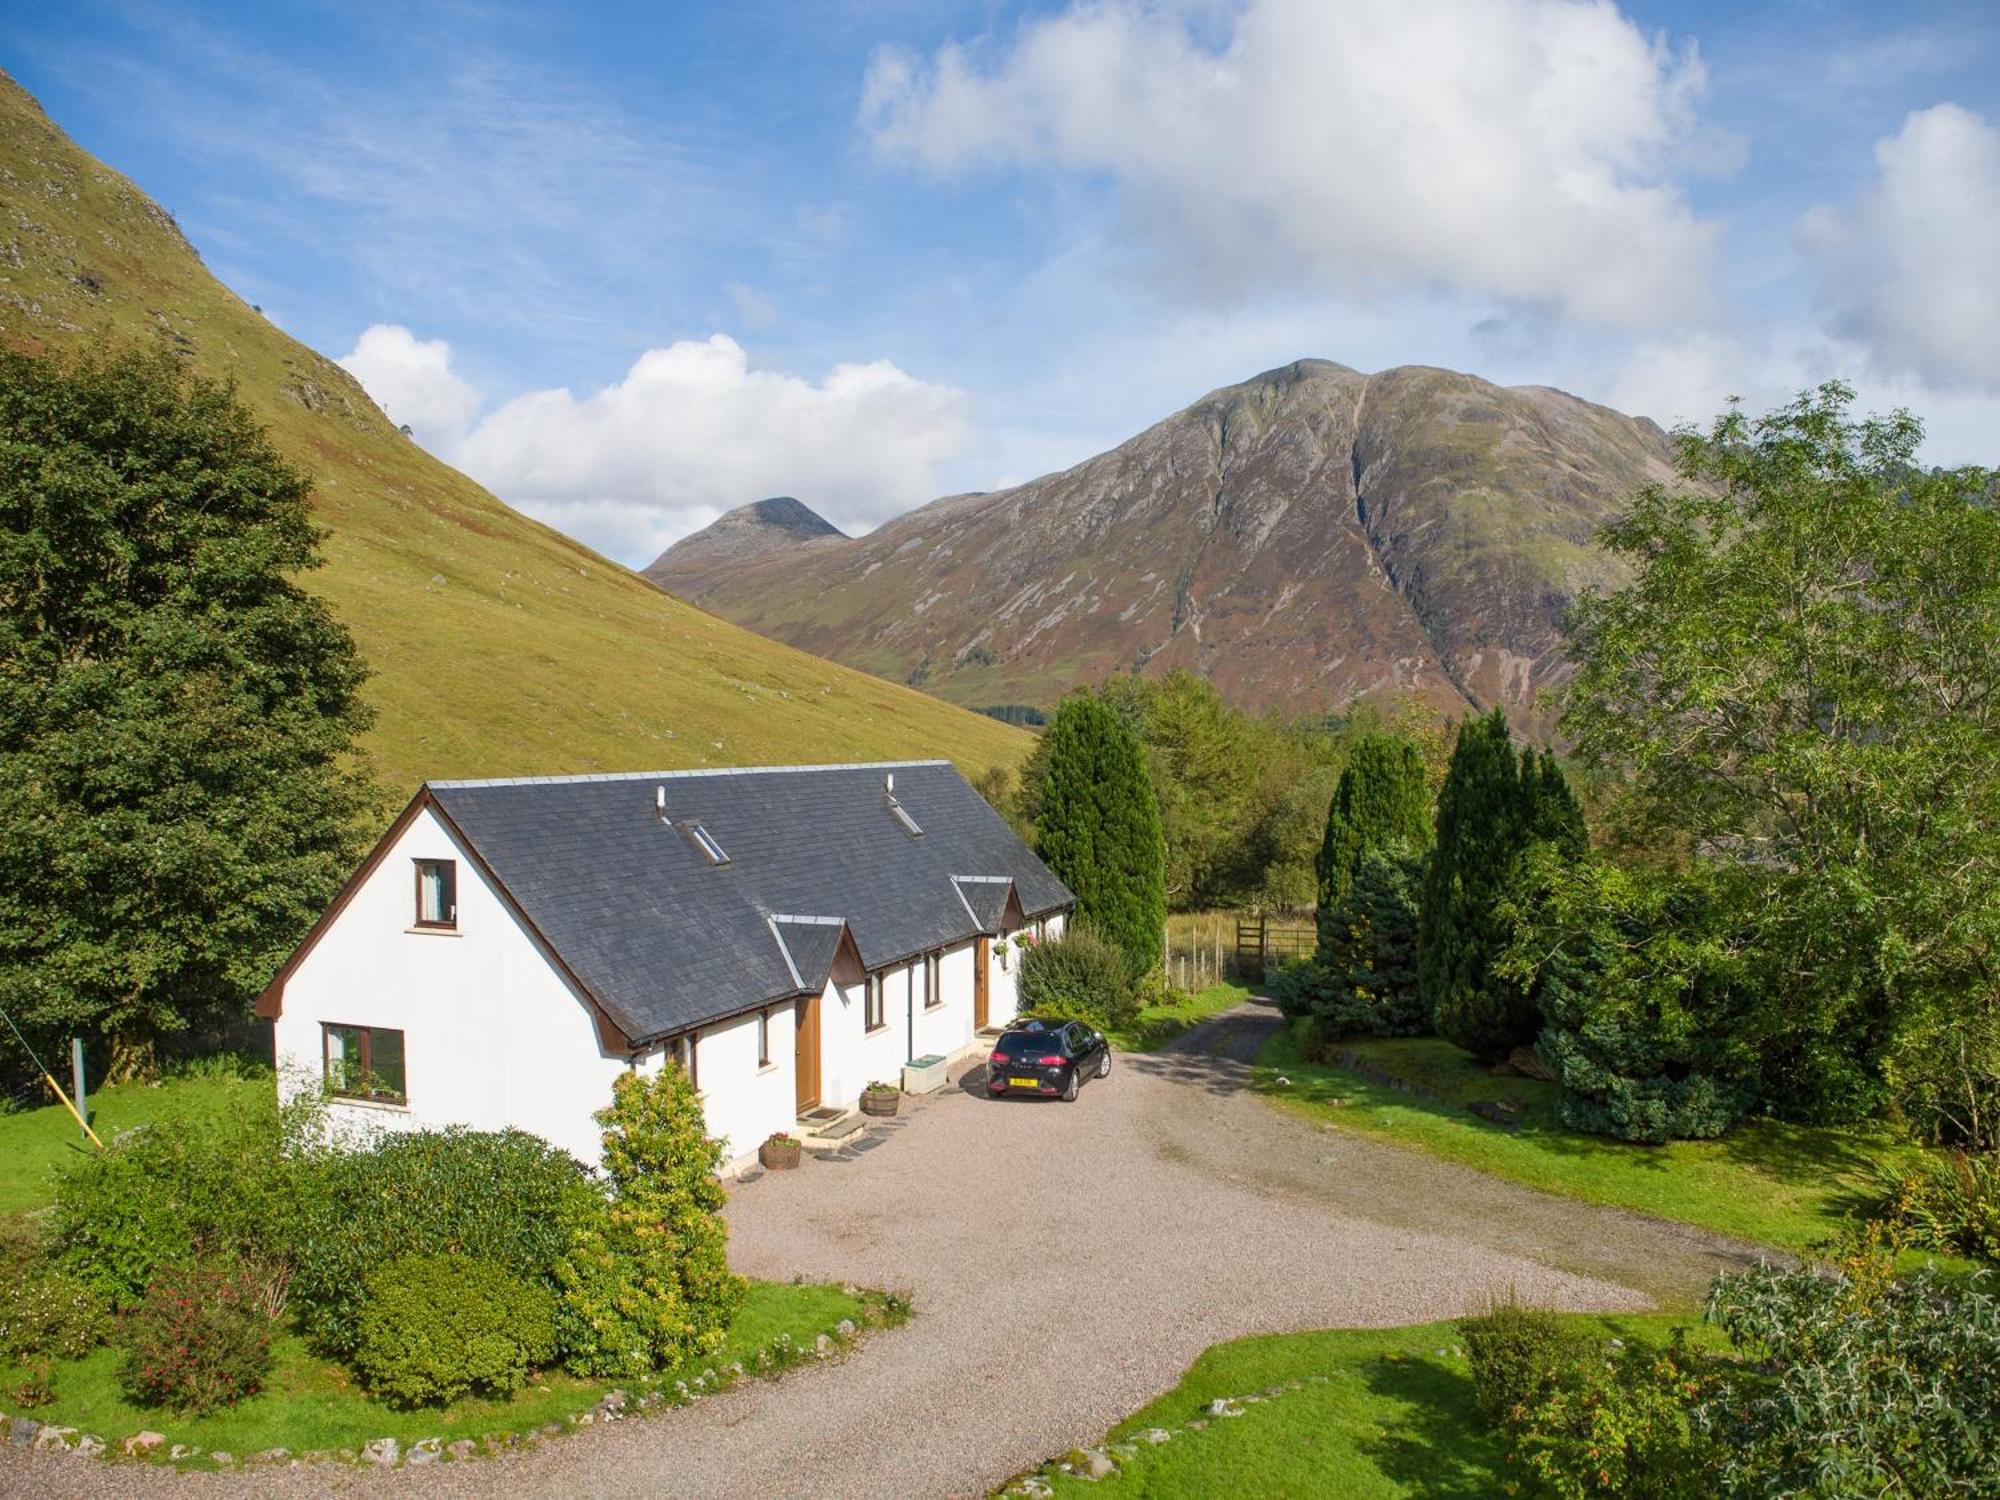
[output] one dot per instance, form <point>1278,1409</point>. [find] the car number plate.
<point>1024,1083</point>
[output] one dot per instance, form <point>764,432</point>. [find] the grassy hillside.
<point>499,646</point>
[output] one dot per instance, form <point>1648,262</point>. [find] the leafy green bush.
<point>646,1283</point>
<point>1643,992</point>
<point>437,1327</point>
<point>1517,1355</point>
<point>1080,975</point>
<point>1855,1382</point>
<point>197,1342</point>
<point>211,1185</point>
<point>1949,1202</point>
<point>507,1196</point>
<point>1616,1423</point>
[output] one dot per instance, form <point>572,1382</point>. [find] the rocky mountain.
<point>750,533</point>
<point>499,646</point>
<point>1308,538</point>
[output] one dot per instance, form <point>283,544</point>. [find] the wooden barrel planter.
<point>780,1153</point>
<point>880,1102</point>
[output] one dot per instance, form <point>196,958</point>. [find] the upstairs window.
<point>437,893</point>
<point>365,1062</point>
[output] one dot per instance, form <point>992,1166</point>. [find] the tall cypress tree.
<point>1099,827</point>
<point>1493,807</point>
<point>1381,803</point>
<point>1481,829</point>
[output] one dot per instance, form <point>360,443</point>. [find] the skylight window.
<point>903,816</point>
<point>705,841</point>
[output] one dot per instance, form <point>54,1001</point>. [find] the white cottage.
<point>788,934</point>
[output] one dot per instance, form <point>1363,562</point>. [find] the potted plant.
<point>781,1152</point>
<point>880,1099</point>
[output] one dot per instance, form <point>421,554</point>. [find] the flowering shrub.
<point>50,1314</point>
<point>197,1342</point>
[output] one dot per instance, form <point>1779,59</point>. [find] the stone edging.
<point>1093,1464</point>
<point>781,1354</point>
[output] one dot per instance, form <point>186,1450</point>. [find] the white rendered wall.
<point>743,1101</point>
<point>851,1058</point>
<point>948,1028</point>
<point>492,1034</point>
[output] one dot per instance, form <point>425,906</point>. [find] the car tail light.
<point>1052,1061</point>
<point>997,1060</point>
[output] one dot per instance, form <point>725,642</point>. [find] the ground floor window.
<point>763,1039</point>
<point>365,1062</point>
<point>933,990</point>
<point>871,1017</point>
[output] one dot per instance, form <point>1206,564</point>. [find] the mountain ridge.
<point>499,645</point>
<point>1308,537</point>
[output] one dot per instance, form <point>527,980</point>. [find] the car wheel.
<point>1069,1088</point>
<point>1104,1064</point>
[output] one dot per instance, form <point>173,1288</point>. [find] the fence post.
<point>76,1081</point>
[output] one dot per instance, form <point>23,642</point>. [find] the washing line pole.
<point>50,1080</point>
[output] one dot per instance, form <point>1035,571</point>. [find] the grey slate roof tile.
<point>665,939</point>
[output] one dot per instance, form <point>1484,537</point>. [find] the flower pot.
<point>779,1156</point>
<point>882,1104</point>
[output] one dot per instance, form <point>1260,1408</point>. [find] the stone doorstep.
<point>830,1135</point>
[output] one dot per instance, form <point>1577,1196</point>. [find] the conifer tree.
<point>1098,827</point>
<point>1481,829</point>
<point>1381,802</point>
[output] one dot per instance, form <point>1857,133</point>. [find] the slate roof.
<point>665,939</point>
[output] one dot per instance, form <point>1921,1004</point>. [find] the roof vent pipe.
<point>889,783</point>
<point>660,802</point>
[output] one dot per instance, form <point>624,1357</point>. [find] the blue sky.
<point>632,264</point>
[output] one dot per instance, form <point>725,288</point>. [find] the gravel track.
<point>1066,1263</point>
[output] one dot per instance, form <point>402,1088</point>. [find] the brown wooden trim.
<point>271,1003</point>
<point>847,965</point>
<point>1011,917</point>
<point>367,1061</point>
<point>450,923</point>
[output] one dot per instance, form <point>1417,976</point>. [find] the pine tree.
<point>1098,827</point>
<point>1493,807</point>
<point>1481,829</point>
<point>1381,803</point>
<point>1368,950</point>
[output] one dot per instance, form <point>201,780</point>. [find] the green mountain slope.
<point>499,645</point>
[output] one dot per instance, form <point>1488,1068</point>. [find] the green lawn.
<point>1783,1185</point>
<point>311,1404</point>
<point>1156,1025</point>
<point>1355,1413</point>
<point>33,1142</point>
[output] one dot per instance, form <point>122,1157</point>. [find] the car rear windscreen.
<point>1028,1043</point>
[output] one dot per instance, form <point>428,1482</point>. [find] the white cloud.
<point>1908,268</point>
<point>1517,149</point>
<point>412,380</point>
<point>690,431</point>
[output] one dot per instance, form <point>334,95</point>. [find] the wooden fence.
<point>1265,940</point>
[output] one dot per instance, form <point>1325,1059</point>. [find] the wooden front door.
<point>982,953</point>
<point>805,1049</point>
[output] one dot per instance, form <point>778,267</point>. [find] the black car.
<point>1046,1058</point>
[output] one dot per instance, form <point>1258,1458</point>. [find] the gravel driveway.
<point>1066,1263</point>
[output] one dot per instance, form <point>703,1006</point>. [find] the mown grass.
<point>499,646</point>
<point>310,1404</point>
<point>35,1143</point>
<point>1789,1186</point>
<point>1156,1025</point>
<point>1377,1413</point>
